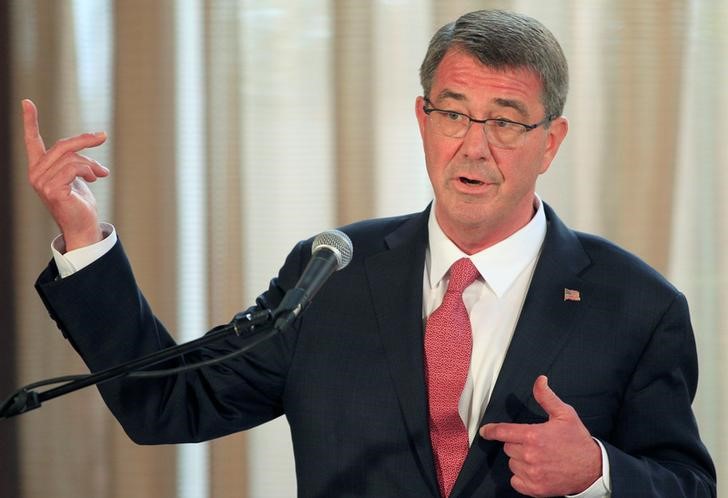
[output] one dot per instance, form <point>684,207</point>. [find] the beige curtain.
<point>698,261</point>
<point>239,127</point>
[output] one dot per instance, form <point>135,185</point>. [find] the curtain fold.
<point>699,215</point>
<point>143,170</point>
<point>66,437</point>
<point>224,128</point>
<point>353,45</point>
<point>9,481</point>
<point>307,113</point>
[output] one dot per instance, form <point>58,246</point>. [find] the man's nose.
<point>475,143</point>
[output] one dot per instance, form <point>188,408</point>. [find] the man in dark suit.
<point>479,348</point>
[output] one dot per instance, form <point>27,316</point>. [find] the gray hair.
<point>500,39</point>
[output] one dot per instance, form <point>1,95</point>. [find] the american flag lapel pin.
<point>572,295</point>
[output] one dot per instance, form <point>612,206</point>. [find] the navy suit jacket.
<point>349,375</point>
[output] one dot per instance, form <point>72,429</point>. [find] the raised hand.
<point>555,458</point>
<point>58,176</point>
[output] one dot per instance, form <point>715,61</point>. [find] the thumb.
<point>547,398</point>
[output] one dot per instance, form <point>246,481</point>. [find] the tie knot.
<point>462,273</point>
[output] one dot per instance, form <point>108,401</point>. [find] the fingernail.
<point>100,134</point>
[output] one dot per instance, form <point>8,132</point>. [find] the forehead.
<point>460,73</point>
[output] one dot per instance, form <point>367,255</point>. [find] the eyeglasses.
<point>498,131</point>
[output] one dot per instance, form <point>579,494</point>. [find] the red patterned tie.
<point>448,343</point>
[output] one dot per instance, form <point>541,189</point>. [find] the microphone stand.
<point>258,323</point>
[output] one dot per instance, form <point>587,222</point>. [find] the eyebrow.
<point>449,94</point>
<point>511,103</point>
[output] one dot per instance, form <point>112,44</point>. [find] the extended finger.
<point>67,146</point>
<point>507,433</point>
<point>34,146</point>
<point>547,398</point>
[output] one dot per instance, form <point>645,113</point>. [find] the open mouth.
<point>470,181</point>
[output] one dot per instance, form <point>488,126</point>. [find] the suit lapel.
<point>541,332</point>
<point>395,279</point>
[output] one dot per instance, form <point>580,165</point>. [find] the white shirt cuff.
<point>70,262</point>
<point>602,487</point>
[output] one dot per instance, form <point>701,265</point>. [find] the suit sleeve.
<point>104,315</point>
<point>656,450</point>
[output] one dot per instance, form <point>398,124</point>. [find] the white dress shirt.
<point>70,262</point>
<point>494,303</point>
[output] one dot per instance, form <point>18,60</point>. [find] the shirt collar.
<point>499,264</point>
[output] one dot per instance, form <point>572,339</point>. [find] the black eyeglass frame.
<point>526,127</point>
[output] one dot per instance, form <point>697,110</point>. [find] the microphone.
<point>330,251</point>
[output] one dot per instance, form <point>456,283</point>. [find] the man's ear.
<point>557,131</point>
<point>420,114</point>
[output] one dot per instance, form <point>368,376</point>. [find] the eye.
<point>452,115</point>
<point>502,123</point>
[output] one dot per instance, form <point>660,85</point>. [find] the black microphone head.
<point>337,242</point>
